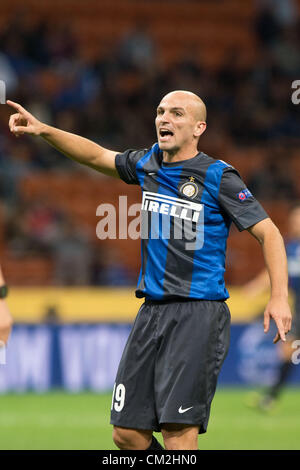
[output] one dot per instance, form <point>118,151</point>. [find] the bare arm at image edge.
<point>5,316</point>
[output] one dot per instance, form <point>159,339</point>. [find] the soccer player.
<point>268,399</point>
<point>5,316</point>
<point>168,372</point>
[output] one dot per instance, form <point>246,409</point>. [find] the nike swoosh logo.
<point>181,410</point>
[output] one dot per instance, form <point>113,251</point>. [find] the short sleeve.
<point>126,165</point>
<point>238,202</point>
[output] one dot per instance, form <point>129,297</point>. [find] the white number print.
<point>296,354</point>
<point>118,397</point>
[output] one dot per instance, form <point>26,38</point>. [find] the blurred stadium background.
<point>99,69</point>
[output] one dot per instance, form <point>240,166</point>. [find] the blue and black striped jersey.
<point>187,209</point>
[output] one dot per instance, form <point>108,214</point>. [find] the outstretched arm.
<point>273,248</point>
<point>73,146</point>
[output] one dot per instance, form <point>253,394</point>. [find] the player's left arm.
<point>274,252</point>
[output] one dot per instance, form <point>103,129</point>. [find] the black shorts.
<point>169,368</point>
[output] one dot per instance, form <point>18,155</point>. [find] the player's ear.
<point>199,128</point>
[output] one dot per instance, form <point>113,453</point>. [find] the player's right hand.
<point>23,122</point>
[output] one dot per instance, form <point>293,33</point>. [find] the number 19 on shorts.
<point>118,397</point>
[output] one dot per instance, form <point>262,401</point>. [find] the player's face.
<point>294,223</point>
<point>176,123</point>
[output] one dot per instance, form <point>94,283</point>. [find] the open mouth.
<point>165,134</point>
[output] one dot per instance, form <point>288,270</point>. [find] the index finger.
<point>16,106</point>
<point>277,338</point>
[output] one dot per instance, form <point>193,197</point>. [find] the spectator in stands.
<point>266,25</point>
<point>285,50</point>
<point>15,166</point>
<point>33,227</point>
<point>283,12</point>
<point>137,48</point>
<point>273,181</point>
<point>109,270</point>
<point>72,254</point>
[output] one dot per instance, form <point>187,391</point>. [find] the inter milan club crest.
<point>189,189</point>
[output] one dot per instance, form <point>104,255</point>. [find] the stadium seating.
<point>99,26</point>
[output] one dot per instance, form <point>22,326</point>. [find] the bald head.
<point>180,121</point>
<point>190,99</point>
